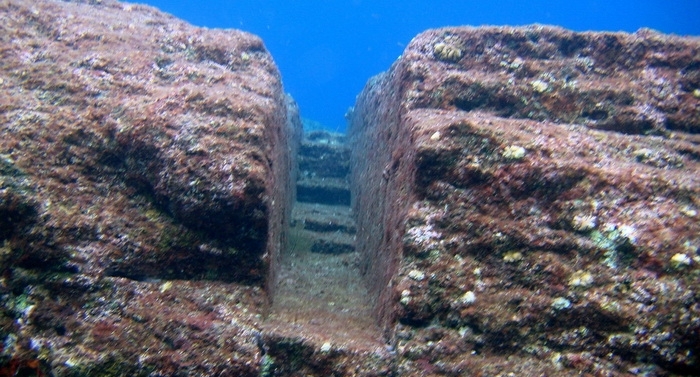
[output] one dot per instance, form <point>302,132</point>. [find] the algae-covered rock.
<point>530,208</point>
<point>137,152</point>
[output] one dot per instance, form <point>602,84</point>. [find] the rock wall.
<point>527,202</point>
<point>145,190</point>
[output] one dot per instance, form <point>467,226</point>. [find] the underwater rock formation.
<point>145,188</point>
<point>526,202</point>
<point>536,209</point>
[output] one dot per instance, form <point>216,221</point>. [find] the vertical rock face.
<point>139,157</point>
<point>527,202</point>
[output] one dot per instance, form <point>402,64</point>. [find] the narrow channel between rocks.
<point>320,300</point>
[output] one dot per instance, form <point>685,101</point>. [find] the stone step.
<point>318,217</point>
<point>334,191</point>
<point>333,243</point>
<point>321,311</point>
<point>331,229</point>
<point>324,154</point>
<point>323,161</point>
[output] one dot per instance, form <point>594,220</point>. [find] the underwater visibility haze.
<point>327,50</point>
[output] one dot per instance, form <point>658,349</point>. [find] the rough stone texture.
<point>527,202</point>
<point>144,191</point>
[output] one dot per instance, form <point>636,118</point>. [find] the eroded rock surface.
<point>144,191</point>
<point>526,202</point>
<point>536,209</point>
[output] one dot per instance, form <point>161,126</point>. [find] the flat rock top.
<point>632,83</point>
<point>126,118</point>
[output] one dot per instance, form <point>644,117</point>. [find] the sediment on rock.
<point>146,171</point>
<point>321,322</point>
<point>526,201</point>
<point>189,120</point>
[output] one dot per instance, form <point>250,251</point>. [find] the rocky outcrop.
<point>145,191</point>
<point>527,202</point>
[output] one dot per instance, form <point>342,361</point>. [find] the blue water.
<point>327,49</point>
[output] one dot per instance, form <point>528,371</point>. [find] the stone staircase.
<point>322,210</point>
<point>321,303</point>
